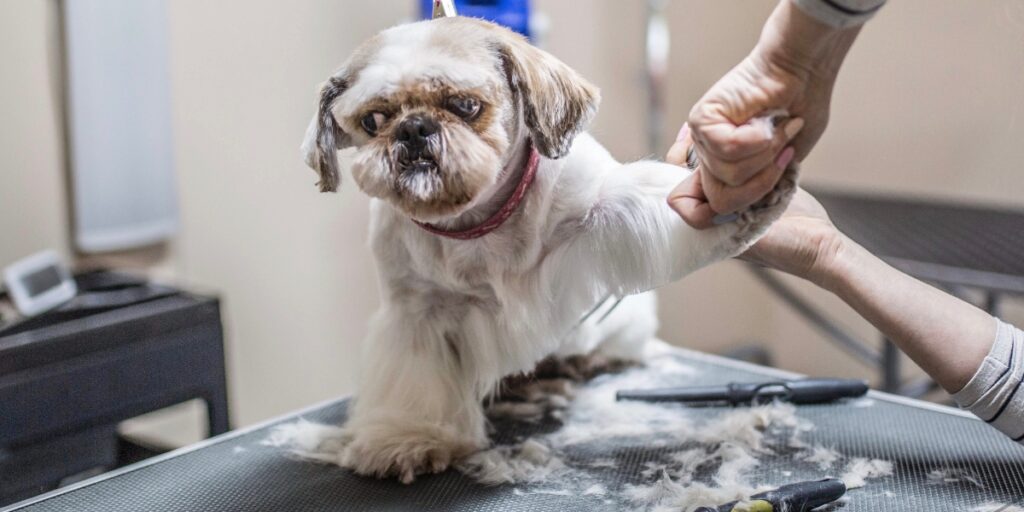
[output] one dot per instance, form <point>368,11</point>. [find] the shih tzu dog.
<point>497,226</point>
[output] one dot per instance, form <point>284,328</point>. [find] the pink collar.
<point>506,211</point>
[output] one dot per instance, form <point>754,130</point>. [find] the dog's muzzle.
<point>415,135</point>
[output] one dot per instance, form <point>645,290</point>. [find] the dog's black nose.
<point>415,129</point>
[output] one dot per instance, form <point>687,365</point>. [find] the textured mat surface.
<point>236,473</point>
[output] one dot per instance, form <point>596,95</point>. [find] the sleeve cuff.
<point>992,369</point>
<point>840,13</point>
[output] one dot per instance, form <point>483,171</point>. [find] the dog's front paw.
<point>756,219</point>
<point>404,449</point>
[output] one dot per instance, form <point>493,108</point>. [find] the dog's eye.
<point>372,122</point>
<point>464,106</point>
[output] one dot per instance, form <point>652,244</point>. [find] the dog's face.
<point>434,108</point>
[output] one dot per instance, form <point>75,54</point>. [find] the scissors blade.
<point>444,9</point>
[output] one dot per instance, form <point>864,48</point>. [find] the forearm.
<point>973,356</point>
<point>946,336</point>
<point>803,45</point>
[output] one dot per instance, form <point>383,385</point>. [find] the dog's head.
<point>434,109</point>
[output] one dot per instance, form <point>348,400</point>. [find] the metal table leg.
<point>892,381</point>
<point>830,328</point>
<point>992,303</point>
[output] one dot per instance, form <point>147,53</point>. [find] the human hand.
<point>803,242</point>
<point>793,68</point>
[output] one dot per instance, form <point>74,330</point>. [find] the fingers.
<point>723,198</point>
<point>729,142</point>
<point>704,200</point>
<point>678,152</point>
<point>804,204</point>
<point>689,201</point>
<point>735,154</point>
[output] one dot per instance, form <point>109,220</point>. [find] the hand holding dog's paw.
<point>689,199</point>
<point>708,193</point>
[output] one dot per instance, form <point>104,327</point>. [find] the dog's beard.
<point>439,182</point>
<point>417,175</point>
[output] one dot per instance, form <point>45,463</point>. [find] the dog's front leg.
<point>631,241</point>
<point>418,407</point>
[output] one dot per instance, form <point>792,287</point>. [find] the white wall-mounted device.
<point>39,283</point>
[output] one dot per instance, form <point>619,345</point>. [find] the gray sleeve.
<point>840,13</point>
<point>994,394</point>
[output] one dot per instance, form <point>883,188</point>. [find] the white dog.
<point>496,226</point>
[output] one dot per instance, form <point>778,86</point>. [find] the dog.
<point>497,225</point>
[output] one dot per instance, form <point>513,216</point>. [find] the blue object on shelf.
<point>514,14</point>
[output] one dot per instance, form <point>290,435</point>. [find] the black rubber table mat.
<point>935,240</point>
<point>235,472</point>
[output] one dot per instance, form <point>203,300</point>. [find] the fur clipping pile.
<point>950,476</point>
<point>308,440</point>
<point>859,471</point>
<point>821,456</point>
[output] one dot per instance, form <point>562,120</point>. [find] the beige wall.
<point>928,103</point>
<point>33,209</point>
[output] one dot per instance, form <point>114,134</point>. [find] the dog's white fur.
<point>457,316</point>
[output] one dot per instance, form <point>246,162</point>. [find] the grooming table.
<point>235,472</point>
<point>957,247</point>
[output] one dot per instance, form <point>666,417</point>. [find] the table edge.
<point>174,453</point>
<point>690,353</point>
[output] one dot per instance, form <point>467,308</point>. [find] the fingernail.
<point>676,155</point>
<point>793,127</point>
<point>785,157</point>
<point>724,218</point>
<point>683,132</point>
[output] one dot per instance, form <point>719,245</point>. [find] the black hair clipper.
<point>805,391</point>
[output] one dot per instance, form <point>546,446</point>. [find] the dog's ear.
<point>324,137</point>
<point>557,102</point>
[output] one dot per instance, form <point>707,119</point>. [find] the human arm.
<point>946,336</point>
<point>979,359</point>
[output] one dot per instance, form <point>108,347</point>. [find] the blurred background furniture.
<point>123,348</point>
<point>973,252</point>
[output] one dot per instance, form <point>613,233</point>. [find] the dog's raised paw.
<point>756,219</point>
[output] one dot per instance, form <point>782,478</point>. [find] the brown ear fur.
<point>327,137</point>
<point>557,102</point>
